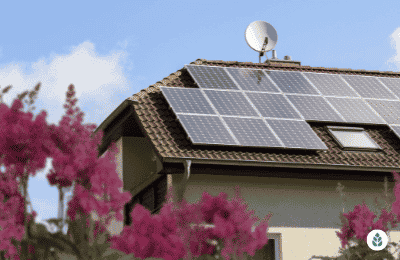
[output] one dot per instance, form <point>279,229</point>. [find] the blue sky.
<point>111,50</point>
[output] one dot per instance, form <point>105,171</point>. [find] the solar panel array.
<point>267,108</point>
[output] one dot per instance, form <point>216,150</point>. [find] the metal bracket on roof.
<point>182,187</point>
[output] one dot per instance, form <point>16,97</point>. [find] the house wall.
<point>306,212</point>
<point>137,167</point>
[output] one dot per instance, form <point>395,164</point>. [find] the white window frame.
<point>332,129</point>
<point>277,237</point>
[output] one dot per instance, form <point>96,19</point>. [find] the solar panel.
<point>396,129</point>
<point>273,105</point>
<point>292,82</point>
<point>393,84</point>
<point>230,103</point>
<point>206,130</point>
<point>315,108</point>
<point>296,134</point>
<point>252,132</point>
<point>389,110</point>
<point>355,110</point>
<point>211,77</point>
<point>368,87</point>
<point>252,80</point>
<point>330,85</point>
<point>187,100</point>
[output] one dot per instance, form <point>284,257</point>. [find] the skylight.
<point>352,138</point>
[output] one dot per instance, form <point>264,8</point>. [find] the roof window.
<point>352,138</point>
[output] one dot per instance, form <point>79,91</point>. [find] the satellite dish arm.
<point>263,48</point>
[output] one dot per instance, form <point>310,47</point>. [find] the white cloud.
<point>395,42</point>
<point>97,79</point>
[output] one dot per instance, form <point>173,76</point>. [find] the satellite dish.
<point>261,37</point>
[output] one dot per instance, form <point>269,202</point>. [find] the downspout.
<point>182,186</point>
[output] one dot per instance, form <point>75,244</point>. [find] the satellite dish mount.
<point>261,37</point>
<point>263,49</point>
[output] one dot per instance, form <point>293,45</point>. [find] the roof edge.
<point>282,164</point>
<point>127,102</point>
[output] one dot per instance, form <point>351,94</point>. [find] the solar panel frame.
<point>308,105</point>
<point>349,108</point>
<point>393,84</point>
<point>206,130</point>
<point>253,132</point>
<point>246,79</point>
<point>291,82</point>
<point>385,109</point>
<point>324,82</point>
<point>288,130</point>
<point>368,87</point>
<point>210,77</point>
<point>230,103</point>
<point>187,100</point>
<point>273,105</point>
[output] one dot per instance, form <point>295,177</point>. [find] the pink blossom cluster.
<point>24,147</point>
<point>25,143</point>
<point>360,222</point>
<point>166,235</point>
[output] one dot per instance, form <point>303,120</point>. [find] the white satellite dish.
<point>261,37</point>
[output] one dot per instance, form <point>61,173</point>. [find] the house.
<point>310,129</point>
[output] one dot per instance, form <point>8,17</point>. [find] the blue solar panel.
<point>389,110</point>
<point>230,103</point>
<point>330,85</point>
<point>211,77</point>
<point>252,80</point>
<point>368,87</point>
<point>206,130</point>
<point>187,100</point>
<point>273,105</point>
<point>393,84</point>
<point>252,132</point>
<point>315,108</point>
<point>292,82</point>
<point>355,110</point>
<point>296,134</point>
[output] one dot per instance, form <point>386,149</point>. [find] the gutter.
<point>303,166</point>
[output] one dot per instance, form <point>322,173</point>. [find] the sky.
<point>112,50</point>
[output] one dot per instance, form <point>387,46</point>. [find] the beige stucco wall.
<point>305,211</point>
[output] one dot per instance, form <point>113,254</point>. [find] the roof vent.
<point>274,55</point>
<point>287,57</point>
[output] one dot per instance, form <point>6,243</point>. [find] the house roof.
<point>160,126</point>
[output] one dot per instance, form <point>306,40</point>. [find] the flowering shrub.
<point>359,222</point>
<point>169,235</point>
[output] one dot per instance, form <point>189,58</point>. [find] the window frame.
<point>331,129</point>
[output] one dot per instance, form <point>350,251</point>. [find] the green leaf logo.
<point>377,241</point>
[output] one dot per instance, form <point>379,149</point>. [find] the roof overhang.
<point>114,114</point>
<point>273,164</point>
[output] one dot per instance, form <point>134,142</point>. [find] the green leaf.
<point>377,235</point>
<point>380,243</point>
<point>373,242</point>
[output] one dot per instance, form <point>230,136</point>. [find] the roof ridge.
<point>175,75</point>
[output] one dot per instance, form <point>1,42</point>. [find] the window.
<point>272,250</point>
<point>352,138</point>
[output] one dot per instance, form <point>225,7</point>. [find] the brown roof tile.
<point>169,138</point>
